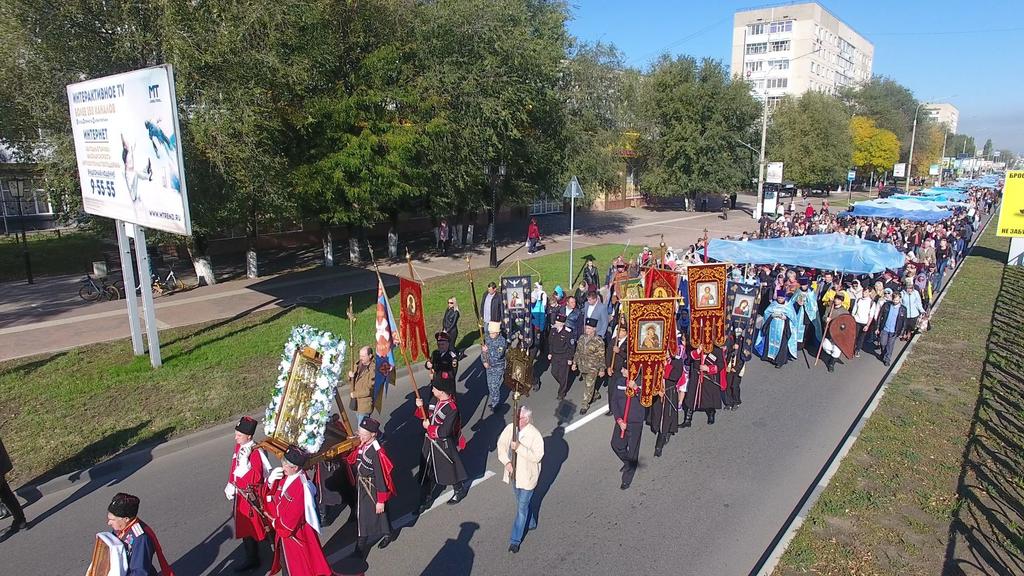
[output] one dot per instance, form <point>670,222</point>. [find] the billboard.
<point>899,170</point>
<point>773,174</point>
<point>1011,210</point>
<point>128,147</point>
<point>933,170</point>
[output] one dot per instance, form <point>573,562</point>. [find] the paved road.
<point>49,317</point>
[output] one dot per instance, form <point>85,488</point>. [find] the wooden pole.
<point>476,303</point>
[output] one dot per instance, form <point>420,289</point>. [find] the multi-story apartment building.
<point>793,48</point>
<point>944,113</point>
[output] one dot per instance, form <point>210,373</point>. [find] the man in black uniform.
<point>734,367</point>
<point>663,416</point>
<point>440,463</point>
<point>561,349</point>
<point>629,421</point>
<point>444,362</point>
<point>370,470</point>
<point>704,388</point>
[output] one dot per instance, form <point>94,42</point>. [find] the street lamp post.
<point>496,174</point>
<point>18,191</point>
<point>942,160</point>
<point>910,159</point>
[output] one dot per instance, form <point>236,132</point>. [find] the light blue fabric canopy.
<point>903,202</point>
<point>840,252</point>
<point>934,200</point>
<point>861,211</point>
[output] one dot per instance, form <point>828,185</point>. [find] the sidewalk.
<point>47,319</point>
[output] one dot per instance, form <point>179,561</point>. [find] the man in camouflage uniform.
<point>492,354</point>
<point>589,362</point>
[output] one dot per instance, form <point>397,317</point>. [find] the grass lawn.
<point>889,508</point>
<point>71,253</point>
<point>63,412</point>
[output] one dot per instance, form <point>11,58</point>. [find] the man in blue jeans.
<point>521,454</point>
<point>891,319</point>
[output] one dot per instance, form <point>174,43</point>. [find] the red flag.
<point>660,283</point>
<point>412,328</point>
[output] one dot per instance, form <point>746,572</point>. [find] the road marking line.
<point>588,418</point>
<point>434,270</point>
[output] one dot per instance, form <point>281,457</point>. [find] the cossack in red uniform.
<point>249,475</point>
<point>290,502</point>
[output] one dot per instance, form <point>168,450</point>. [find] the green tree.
<point>811,135</point>
<point>890,104</point>
<point>696,115</point>
<point>986,151</point>
<point>960,144</point>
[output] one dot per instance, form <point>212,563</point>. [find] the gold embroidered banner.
<point>652,335</point>
<point>707,298</point>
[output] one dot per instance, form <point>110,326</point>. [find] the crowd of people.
<point>580,336</point>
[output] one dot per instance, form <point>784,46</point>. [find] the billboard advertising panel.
<point>1011,210</point>
<point>773,173</point>
<point>128,147</point>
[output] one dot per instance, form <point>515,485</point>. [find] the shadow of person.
<point>198,560</point>
<point>455,558</point>
<point>104,474</point>
<point>556,452</point>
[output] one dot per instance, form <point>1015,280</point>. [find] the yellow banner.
<point>1011,210</point>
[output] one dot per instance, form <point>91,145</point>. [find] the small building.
<point>33,209</point>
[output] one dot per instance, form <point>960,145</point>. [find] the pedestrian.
<point>891,318</point>
<point>539,314</point>
<point>705,384</point>
<point>249,469</point>
<point>361,395</point>
<point>140,542</point>
<point>440,461</point>
<point>735,365</point>
<point>450,321</point>
<point>629,417</point>
<point>561,350</point>
<point>589,362</point>
<point>521,455</point>
<point>7,496</point>
<point>532,236</point>
<point>830,349</point>
<point>591,276</point>
<point>663,416</point>
<point>597,310</point>
<point>369,469</point>
<point>573,316</point>
<point>862,309</point>
<point>492,355</point>
<point>490,305</point>
<point>291,503</point>
<point>442,235</point>
<point>911,301</point>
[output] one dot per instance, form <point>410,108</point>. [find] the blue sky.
<point>967,53</point>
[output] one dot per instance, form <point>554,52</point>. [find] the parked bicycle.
<point>158,285</point>
<point>91,291</point>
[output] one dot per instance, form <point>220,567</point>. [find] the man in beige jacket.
<point>528,451</point>
<point>362,384</point>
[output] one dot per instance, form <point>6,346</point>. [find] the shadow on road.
<point>556,452</point>
<point>456,556</point>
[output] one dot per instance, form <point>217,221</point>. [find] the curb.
<point>769,560</point>
<point>148,453</point>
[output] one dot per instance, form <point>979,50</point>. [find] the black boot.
<point>460,493</point>
<point>252,555</point>
<point>830,363</point>
<point>687,418</point>
<point>711,416</point>
<point>659,444</point>
<point>361,547</point>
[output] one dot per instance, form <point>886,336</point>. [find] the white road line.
<point>434,270</point>
<point>588,418</point>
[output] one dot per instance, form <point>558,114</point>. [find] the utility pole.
<point>910,159</point>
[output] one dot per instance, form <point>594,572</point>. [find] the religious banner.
<point>744,298</point>
<point>410,320</point>
<point>706,283</point>
<point>629,289</point>
<point>652,336</point>
<point>515,299</point>
<point>620,276</point>
<point>660,283</point>
<point>519,370</point>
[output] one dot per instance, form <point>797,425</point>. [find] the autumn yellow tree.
<point>874,149</point>
<point>927,149</point>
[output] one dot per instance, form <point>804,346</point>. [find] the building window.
<point>755,29</point>
<point>758,48</point>
<point>781,26</point>
<point>755,66</point>
<point>778,82</point>
<point>780,46</point>
<point>35,200</point>
<point>779,64</point>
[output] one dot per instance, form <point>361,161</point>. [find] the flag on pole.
<point>410,318</point>
<point>385,345</point>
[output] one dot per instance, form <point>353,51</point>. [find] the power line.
<point>682,40</point>
<point>947,32</point>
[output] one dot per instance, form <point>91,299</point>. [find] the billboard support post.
<point>125,250</point>
<point>152,331</point>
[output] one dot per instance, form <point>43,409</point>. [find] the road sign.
<point>573,189</point>
<point>933,170</point>
<point>899,170</point>
<point>851,175</point>
<point>773,174</point>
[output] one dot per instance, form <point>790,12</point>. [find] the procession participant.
<point>573,316</point>
<point>589,362</point>
<point>614,316</point>
<point>735,365</point>
<point>443,363</point>
<point>140,542</point>
<point>291,503</point>
<point>629,423</point>
<point>830,349</point>
<point>561,349</point>
<point>591,275</point>
<point>7,495</point>
<point>615,357</point>
<point>598,310</point>
<point>492,355</point>
<point>529,451</point>
<point>805,307</point>
<point>891,318</point>
<point>705,384</point>
<point>440,462</point>
<point>450,321</point>
<point>862,315</point>
<point>775,338</point>
<point>249,467</point>
<point>912,302</point>
<point>362,383</point>
<point>490,306</point>
<point>370,470</point>
<point>664,413</point>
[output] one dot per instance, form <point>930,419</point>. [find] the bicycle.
<point>91,291</point>
<point>169,284</point>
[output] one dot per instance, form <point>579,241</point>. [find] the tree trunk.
<point>328,238</point>
<point>251,256</point>
<point>353,245</point>
<point>201,262</point>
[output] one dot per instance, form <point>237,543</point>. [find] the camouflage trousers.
<point>589,380</point>
<point>495,377</point>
